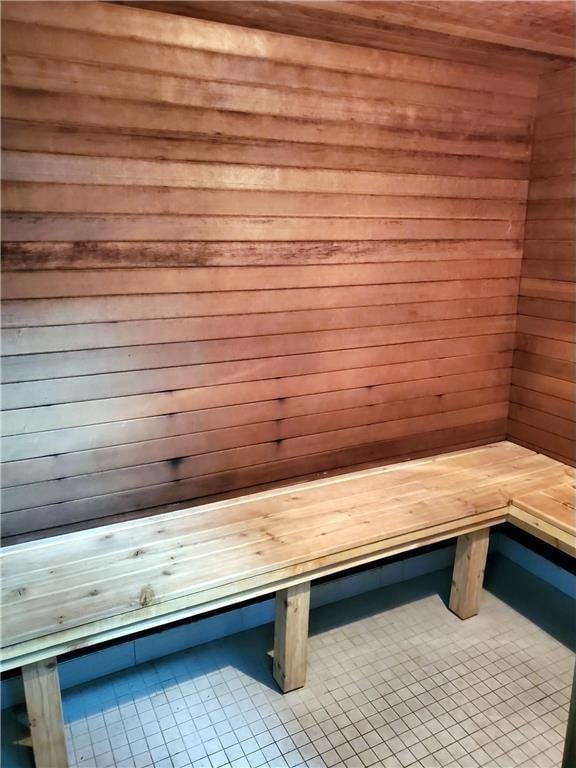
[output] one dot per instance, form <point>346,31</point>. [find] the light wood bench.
<point>79,589</point>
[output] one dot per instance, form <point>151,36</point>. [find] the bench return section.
<point>80,589</point>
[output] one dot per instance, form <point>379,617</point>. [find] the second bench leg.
<point>291,636</point>
<point>468,575</point>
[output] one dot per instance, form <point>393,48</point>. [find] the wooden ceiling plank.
<point>520,24</point>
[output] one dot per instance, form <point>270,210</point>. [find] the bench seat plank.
<point>556,505</point>
<point>549,514</point>
<point>73,590</point>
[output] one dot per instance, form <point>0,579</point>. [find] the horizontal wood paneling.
<point>31,166</point>
<point>120,199</point>
<point>107,255</point>
<point>91,309</point>
<point>258,44</point>
<point>207,450</point>
<point>159,89</point>
<point>120,282</point>
<point>164,355</point>
<point>84,387</point>
<point>21,524</point>
<point>135,430</point>
<point>25,227</point>
<point>169,121</point>
<point>147,56</point>
<point>523,36</point>
<point>454,156</point>
<point>235,258</point>
<point>393,378</point>
<point>543,396</point>
<point>434,316</point>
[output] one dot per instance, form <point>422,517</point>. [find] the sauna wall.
<point>543,395</point>
<point>235,257</point>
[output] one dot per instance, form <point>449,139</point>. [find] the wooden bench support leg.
<point>569,759</point>
<point>468,575</point>
<point>291,636</point>
<point>44,704</point>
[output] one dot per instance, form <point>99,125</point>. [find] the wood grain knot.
<point>146,596</point>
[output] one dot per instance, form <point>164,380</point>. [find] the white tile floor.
<point>394,680</point>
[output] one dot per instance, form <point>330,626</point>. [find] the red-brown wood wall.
<point>543,395</point>
<point>236,257</point>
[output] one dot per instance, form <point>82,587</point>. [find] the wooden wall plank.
<point>74,169</point>
<point>552,250</point>
<point>80,462</point>
<point>546,308</point>
<point>547,404</point>
<point>559,125</point>
<point>26,227</point>
<point>453,158</point>
<point>387,382</point>
<point>92,309</point>
<point>165,355</point>
<point>120,282</point>
<point>543,441</point>
<point>538,382</point>
<point>546,327</point>
<point>169,121</point>
<point>416,393</point>
<point>554,290</point>
<point>81,198</point>
<point>68,389</point>
<point>34,339</point>
<point>547,366</point>
<point>25,256</point>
